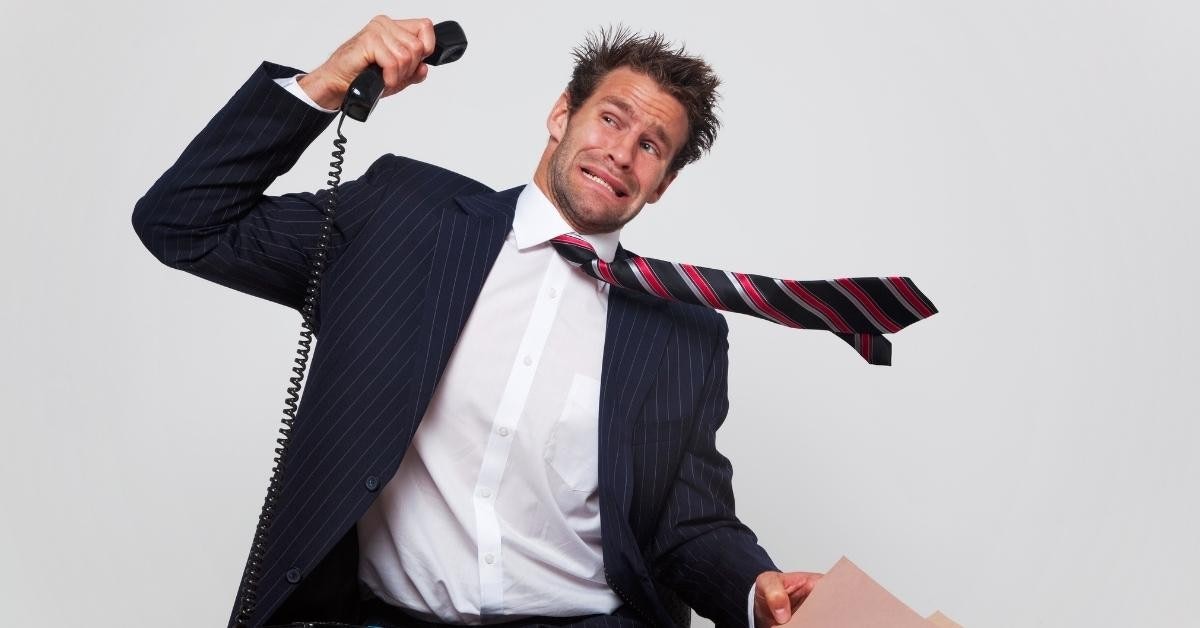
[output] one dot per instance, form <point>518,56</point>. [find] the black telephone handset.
<point>360,100</point>
<point>365,90</point>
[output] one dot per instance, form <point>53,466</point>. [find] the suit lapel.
<point>467,244</point>
<point>636,333</point>
<point>635,337</point>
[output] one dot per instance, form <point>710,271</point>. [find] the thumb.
<point>781,613</point>
<point>775,596</point>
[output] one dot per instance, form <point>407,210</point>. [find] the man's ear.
<point>556,122</point>
<point>662,187</point>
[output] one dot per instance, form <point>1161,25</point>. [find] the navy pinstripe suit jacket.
<point>412,246</point>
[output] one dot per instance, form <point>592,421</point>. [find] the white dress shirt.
<point>494,509</point>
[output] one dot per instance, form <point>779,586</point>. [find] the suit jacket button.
<point>293,575</point>
<point>372,483</point>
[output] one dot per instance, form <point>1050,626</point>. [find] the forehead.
<point>639,97</point>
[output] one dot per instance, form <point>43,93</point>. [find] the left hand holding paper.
<point>778,594</point>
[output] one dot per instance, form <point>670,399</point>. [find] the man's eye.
<point>649,147</point>
<point>608,119</point>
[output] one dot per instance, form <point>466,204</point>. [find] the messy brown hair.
<point>688,78</point>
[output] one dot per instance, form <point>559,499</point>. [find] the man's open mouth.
<point>618,193</point>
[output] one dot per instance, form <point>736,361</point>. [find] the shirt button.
<point>489,559</point>
<point>553,293</point>
<point>483,492</point>
<point>503,431</point>
<point>528,360</point>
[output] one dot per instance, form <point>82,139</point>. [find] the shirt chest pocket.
<point>572,449</point>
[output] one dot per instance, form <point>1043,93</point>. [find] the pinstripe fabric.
<point>412,246</point>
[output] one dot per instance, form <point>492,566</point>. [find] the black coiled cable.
<point>253,572</point>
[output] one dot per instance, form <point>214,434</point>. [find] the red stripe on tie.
<point>704,287</point>
<point>866,347</point>
<point>567,238</point>
<point>815,301</point>
<point>607,273</point>
<point>865,299</point>
<point>652,279</point>
<point>910,296</point>
<point>762,303</point>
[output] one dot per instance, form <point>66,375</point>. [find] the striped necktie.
<point>858,310</point>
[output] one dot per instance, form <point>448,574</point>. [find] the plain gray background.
<point>1030,460</point>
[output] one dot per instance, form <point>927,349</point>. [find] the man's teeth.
<point>600,181</point>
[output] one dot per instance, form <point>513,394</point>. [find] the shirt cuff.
<point>292,84</point>
<point>750,606</point>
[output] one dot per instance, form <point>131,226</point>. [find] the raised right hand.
<point>396,46</point>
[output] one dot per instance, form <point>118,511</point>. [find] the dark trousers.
<point>377,614</point>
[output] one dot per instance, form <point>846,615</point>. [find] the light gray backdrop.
<point>1030,460</point>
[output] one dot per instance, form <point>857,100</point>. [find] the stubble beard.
<point>565,194</point>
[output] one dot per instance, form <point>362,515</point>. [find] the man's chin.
<point>596,223</point>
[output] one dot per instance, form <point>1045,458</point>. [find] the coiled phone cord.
<point>253,572</point>
<point>363,93</point>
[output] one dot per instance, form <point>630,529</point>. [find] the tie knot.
<point>574,248</point>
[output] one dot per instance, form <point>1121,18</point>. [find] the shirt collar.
<point>536,220</point>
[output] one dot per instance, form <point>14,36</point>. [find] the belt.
<point>379,614</point>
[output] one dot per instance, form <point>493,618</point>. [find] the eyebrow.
<point>656,129</point>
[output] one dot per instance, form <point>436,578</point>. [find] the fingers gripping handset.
<point>450,43</point>
<point>385,57</point>
<point>382,59</point>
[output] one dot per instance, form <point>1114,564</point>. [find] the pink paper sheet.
<point>846,597</point>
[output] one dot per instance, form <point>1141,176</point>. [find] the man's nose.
<point>623,149</point>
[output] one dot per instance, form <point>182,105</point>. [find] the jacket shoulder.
<point>420,176</point>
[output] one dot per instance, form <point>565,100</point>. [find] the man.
<point>549,407</point>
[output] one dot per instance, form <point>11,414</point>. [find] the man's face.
<point>611,156</point>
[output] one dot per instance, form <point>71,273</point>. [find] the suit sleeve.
<point>702,551</point>
<point>208,214</point>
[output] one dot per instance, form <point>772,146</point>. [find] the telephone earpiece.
<point>365,90</point>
